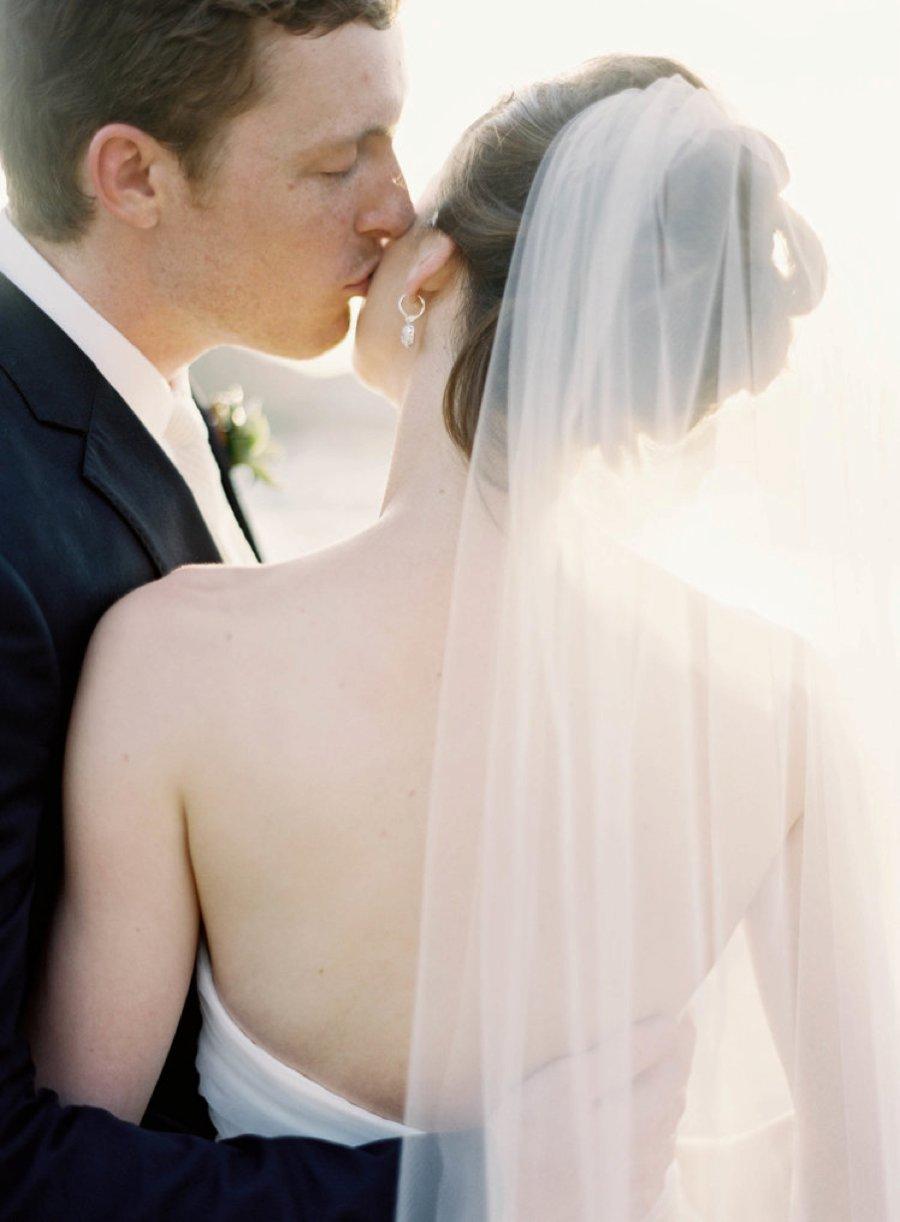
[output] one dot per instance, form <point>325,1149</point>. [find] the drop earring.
<point>408,331</point>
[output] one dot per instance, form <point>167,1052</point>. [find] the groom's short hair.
<point>177,69</point>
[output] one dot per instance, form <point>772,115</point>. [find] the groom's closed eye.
<point>341,167</point>
<point>339,173</point>
<point>339,160</point>
<point>336,159</point>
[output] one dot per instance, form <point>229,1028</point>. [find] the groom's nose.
<point>389,212</point>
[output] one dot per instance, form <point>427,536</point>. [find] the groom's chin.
<point>313,341</point>
<point>337,337</point>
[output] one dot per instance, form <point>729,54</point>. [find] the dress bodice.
<point>249,1090</point>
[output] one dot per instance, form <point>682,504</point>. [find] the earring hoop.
<point>411,317</point>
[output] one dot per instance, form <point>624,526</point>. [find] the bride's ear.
<point>435,265</point>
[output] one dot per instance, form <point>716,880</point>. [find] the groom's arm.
<point>78,1162</point>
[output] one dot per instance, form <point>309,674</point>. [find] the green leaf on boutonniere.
<point>245,432</point>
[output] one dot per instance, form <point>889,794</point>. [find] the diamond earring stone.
<point>410,317</point>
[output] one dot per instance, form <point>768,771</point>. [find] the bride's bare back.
<point>253,748</point>
<point>308,695</point>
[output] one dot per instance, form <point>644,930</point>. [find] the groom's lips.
<point>359,288</point>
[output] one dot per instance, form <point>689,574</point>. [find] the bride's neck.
<point>427,479</point>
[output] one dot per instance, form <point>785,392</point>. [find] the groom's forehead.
<point>352,119</point>
<point>343,90</point>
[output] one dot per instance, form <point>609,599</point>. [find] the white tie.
<point>187,441</point>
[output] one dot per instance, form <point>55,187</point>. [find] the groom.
<point>181,174</point>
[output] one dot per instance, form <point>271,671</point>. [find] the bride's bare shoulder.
<point>199,621</point>
<point>174,654</point>
<point>157,644</point>
<point>157,666</point>
<point>170,611</point>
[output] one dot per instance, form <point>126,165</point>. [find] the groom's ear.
<point>125,169</point>
<point>435,266</point>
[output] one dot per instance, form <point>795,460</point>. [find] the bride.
<point>542,752</point>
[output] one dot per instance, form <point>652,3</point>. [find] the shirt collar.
<point>127,370</point>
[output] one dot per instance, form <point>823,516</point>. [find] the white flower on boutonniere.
<point>245,432</point>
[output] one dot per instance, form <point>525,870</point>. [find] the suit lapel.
<point>64,389</point>
<point>124,464</point>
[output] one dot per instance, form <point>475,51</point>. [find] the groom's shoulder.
<point>40,469</point>
<point>44,375</point>
<point>47,389</point>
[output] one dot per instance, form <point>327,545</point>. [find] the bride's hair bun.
<point>728,177</point>
<point>804,282</point>
<point>803,271</point>
<point>740,264</point>
<point>482,197</point>
<point>786,272</point>
<point>792,252</point>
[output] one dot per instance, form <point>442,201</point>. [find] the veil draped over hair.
<point>666,775</point>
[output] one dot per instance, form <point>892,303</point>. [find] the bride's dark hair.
<point>482,199</point>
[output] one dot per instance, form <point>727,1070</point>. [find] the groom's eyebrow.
<point>331,142</point>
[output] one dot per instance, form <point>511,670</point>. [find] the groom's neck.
<point>119,286</point>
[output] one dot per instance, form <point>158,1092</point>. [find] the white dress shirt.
<point>160,406</point>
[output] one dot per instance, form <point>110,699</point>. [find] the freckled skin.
<point>263,258</point>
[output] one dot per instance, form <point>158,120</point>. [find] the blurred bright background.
<point>819,76</point>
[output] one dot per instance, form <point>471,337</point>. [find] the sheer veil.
<point>666,774</point>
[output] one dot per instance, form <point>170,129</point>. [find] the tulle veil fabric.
<point>666,774</point>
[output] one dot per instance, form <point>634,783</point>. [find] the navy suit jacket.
<point>91,508</point>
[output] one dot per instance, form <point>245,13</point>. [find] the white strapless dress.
<point>250,1091</point>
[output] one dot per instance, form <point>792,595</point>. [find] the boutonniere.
<point>245,432</point>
